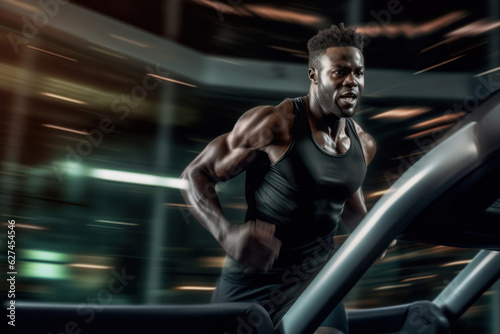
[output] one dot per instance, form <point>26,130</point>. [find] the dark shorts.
<point>275,295</point>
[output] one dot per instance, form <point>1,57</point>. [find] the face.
<point>340,81</point>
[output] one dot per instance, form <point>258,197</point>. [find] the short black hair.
<point>333,36</point>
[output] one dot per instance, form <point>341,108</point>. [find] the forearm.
<point>204,203</point>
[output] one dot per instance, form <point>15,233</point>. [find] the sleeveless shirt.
<point>303,193</point>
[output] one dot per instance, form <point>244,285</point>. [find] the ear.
<point>313,75</point>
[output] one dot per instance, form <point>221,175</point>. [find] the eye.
<point>360,73</point>
<point>339,72</point>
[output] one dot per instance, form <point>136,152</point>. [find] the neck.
<point>331,124</point>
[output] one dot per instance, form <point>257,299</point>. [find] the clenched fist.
<point>253,245</point>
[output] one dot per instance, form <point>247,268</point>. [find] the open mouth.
<point>348,98</point>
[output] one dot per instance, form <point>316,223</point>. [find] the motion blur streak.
<point>411,30</point>
<point>89,266</point>
<point>418,278</point>
<point>403,112</point>
<point>377,193</point>
<point>30,227</point>
<point>52,53</point>
<point>437,65</point>
<point>474,28</point>
<point>442,119</point>
<point>456,263</point>
<point>21,4</point>
<point>65,129</point>
<point>118,223</point>
<point>212,261</point>
<point>41,255</point>
<point>106,52</point>
<point>487,72</point>
<point>130,41</point>
<point>267,12</point>
<point>428,132</point>
<point>387,287</point>
<point>145,179</point>
<point>178,205</point>
<point>284,15</point>
<point>171,80</point>
<point>195,288</point>
<point>64,98</point>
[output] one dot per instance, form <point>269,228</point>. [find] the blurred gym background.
<point>105,103</point>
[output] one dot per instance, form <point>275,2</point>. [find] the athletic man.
<point>305,160</point>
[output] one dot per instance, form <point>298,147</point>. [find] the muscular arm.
<point>252,244</point>
<point>355,208</point>
<point>219,161</point>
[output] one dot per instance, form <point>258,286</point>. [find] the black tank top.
<point>303,193</point>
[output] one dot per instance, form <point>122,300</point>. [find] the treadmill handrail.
<point>415,189</point>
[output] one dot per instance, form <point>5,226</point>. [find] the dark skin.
<point>333,95</point>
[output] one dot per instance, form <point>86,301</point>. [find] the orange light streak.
<point>437,65</point>
<point>171,80</point>
<point>428,132</point>
<point>404,112</point>
<point>456,263</point>
<point>28,226</point>
<point>377,193</point>
<point>52,53</point>
<point>441,119</point>
<point>411,30</point>
<point>65,129</point>
<point>411,279</point>
<point>64,98</point>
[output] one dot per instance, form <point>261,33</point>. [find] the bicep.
<point>369,147</point>
<point>230,154</point>
<point>367,143</point>
<point>222,161</point>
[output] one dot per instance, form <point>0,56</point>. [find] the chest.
<point>330,145</point>
<point>315,173</point>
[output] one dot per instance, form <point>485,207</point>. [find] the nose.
<point>350,80</point>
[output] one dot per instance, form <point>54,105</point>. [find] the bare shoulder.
<point>262,126</point>
<point>367,142</point>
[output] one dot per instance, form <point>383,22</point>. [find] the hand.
<point>253,245</point>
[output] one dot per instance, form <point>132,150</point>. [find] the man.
<point>305,160</point>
